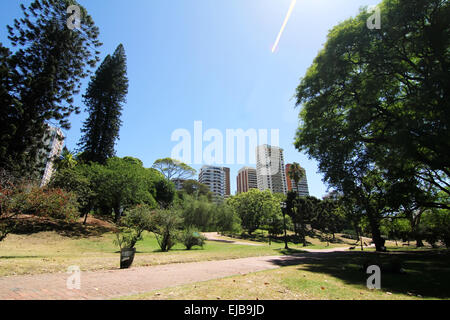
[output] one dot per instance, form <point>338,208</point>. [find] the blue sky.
<point>209,61</point>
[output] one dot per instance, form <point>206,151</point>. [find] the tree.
<point>198,213</point>
<point>296,173</point>
<point>174,169</point>
<point>104,99</point>
<point>396,228</point>
<point>353,215</point>
<point>254,208</point>
<point>330,219</point>
<point>302,211</point>
<point>165,192</point>
<point>67,160</point>
<point>374,113</point>
<point>436,224</point>
<point>79,180</point>
<point>275,224</point>
<point>227,219</point>
<point>197,189</point>
<point>40,78</point>
<point>122,184</point>
<point>165,226</point>
<point>385,91</point>
<point>131,229</point>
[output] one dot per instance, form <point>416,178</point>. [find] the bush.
<point>137,221</point>
<point>192,238</point>
<point>42,202</point>
<point>165,226</point>
<point>198,212</point>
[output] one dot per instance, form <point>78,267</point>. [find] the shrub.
<point>165,226</point>
<point>192,238</point>
<point>43,202</point>
<point>131,228</point>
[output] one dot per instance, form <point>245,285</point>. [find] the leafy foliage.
<point>191,238</point>
<point>254,208</point>
<point>166,224</point>
<point>39,79</point>
<point>104,98</point>
<point>174,169</point>
<point>375,113</point>
<point>132,227</point>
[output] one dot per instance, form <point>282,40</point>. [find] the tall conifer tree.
<point>104,99</point>
<point>39,79</point>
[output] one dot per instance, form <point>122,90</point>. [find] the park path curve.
<point>215,236</point>
<point>99,285</point>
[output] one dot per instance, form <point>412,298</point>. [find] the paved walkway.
<point>120,283</point>
<point>215,236</point>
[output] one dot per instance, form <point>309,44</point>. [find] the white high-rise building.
<point>270,170</point>
<point>215,179</point>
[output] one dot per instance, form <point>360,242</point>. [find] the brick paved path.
<point>120,283</point>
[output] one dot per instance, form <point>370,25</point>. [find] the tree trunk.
<point>376,234</point>
<point>116,214</point>
<point>419,242</point>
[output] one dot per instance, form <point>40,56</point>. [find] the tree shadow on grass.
<point>424,273</point>
<point>31,225</point>
<point>19,257</point>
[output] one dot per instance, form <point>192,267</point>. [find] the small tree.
<point>78,180</point>
<point>165,226</point>
<point>132,227</point>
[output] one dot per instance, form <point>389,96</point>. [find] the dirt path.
<point>215,236</point>
<point>120,283</point>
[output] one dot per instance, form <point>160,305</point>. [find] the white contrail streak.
<point>291,8</point>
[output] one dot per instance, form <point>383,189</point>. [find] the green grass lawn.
<point>339,276</point>
<point>50,251</point>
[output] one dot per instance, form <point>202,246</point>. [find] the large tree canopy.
<point>39,78</point>
<point>255,208</point>
<point>375,108</point>
<point>381,97</point>
<point>174,169</point>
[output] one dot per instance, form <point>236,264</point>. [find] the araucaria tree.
<point>376,108</point>
<point>39,78</point>
<point>104,99</point>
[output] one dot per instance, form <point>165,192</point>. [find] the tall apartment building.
<point>301,188</point>
<point>215,179</point>
<point>270,169</point>
<point>227,181</point>
<point>246,180</point>
<point>54,142</point>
